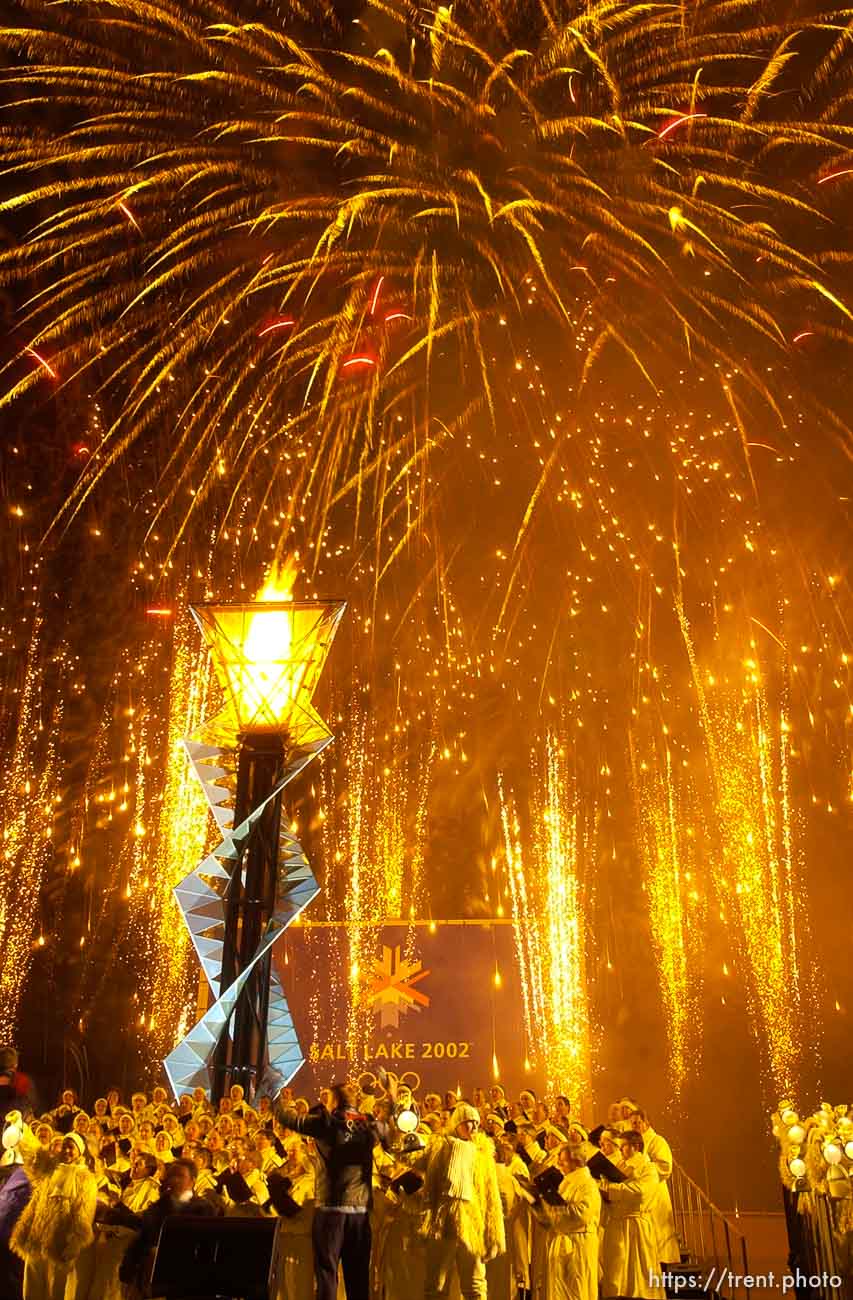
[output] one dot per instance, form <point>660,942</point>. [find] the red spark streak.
<point>44,364</point>
<point>679,121</point>
<point>379,285</point>
<point>833,176</point>
<point>276,325</point>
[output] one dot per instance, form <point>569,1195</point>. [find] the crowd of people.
<point>381,1193</point>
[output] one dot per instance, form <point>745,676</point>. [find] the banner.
<point>442,1003</point>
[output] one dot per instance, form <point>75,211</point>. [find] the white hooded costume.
<point>463,1220</point>
<point>55,1234</point>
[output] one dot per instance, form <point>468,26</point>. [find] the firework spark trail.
<point>563,847</point>
<point>747,746</point>
<point>362,905</point>
<point>181,837</point>
<point>528,955</point>
<point>376,838</point>
<point>549,900</point>
<point>27,812</point>
<point>676,907</point>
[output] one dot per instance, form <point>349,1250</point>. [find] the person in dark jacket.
<point>178,1198</point>
<point>344,1139</point>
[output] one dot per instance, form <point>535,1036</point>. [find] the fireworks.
<point>550,885</point>
<point>375,839</point>
<point>747,738</point>
<point>425,161</point>
<point>180,837</point>
<point>515,320</point>
<point>667,809</point>
<point>27,815</point>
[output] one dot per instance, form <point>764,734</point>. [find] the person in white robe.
<point>265,1147</point>
<point>403,1254</point>
<point>571,1243</point>
<point>296,1273</point>
<point>630,1265</point>
<point>660,1153</point>
<point>248,1166</point>
<point>626,1109</point>
<point>538,1235</point>
<point>501,1272</point>
<point>519,1224</point>
<point>112,1237</point>
<point>608,1146</point>
<point>382,1210</point>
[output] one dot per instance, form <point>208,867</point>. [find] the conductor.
<point>345,1138</point>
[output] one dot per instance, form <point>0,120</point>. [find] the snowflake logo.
<point>392,991</point>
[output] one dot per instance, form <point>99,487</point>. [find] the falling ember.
<point>679,121</point>
<point>804,334</point>
<point>284,323</point>
<point>156,611</point>
<point>376,292</point>
<point>397,315</point>
<point>45,365</point>
<point>131,218</point>
<point>358,361</point>
<point>834,176</point>
<point>363,905</point>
